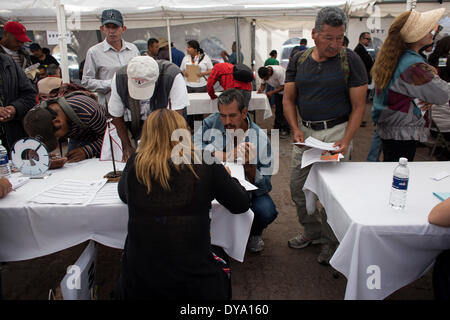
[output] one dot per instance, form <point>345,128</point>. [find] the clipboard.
<point>191,71</point>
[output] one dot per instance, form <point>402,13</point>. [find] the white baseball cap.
<point>142,72</point>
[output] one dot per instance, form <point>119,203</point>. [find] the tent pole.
<point>61,20</point>
<point>238,40</point>
<point>253,44</point>
<point>168,39</point>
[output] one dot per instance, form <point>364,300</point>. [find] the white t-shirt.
<point>205,65</point>
<point>178,100</point>
<point>277,78</point>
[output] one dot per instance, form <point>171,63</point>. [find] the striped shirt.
<point>93,116</point>
<point>18,58</point>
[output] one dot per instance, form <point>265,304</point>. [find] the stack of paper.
<point>70,192</point>
<point>317,144</point>
<point>319,152</point>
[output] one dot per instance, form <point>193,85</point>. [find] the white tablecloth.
<point>201,103</point>
<point>29,230</point>
<point>378,243</point>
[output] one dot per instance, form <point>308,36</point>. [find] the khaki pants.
<point>315,225</point>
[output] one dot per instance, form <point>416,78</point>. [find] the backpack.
<point>342,58</point>
<point>242,73</point>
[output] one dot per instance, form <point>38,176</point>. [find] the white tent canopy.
<point>274,21</point>
<point>41,14</point>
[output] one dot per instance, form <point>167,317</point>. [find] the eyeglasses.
<point>368,39</point>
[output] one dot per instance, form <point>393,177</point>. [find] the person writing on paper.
<point>5,187</point>
<point>328,83</point>
<point>77,117</point>
<point>406,85</point>
<point>440,216</point>
<point>231,135</point>
<point>167,252</point>
<point>137,89</point>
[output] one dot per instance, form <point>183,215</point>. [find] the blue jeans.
<point>375,148</point>
<point>272,98</point>
<point>265,213</point>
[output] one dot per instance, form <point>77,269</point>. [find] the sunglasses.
<point>369,39</point>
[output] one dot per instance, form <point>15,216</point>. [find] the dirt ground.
<point>277,273</point>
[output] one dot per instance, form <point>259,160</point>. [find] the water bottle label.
<point>400,183</point>
<point>3,159</point>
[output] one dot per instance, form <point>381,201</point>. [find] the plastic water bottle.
<point>5,170</point>
<point>399,185</point>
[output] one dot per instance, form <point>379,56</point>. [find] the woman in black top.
<point>167,253</point>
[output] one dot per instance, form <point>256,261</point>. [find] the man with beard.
<point>231,135</point>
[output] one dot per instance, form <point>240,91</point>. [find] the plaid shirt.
<point>223,72</point>
<point>93,116</point>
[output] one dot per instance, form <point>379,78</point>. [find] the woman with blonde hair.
<point>406,85</point>
<point>167,252</point>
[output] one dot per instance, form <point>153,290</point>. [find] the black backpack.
<point>242,73</point>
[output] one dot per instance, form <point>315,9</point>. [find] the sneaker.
<point>325,255</point>
<point>301,241</point>
<point>255,244</point>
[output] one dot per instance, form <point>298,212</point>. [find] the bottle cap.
<point>403,161</point>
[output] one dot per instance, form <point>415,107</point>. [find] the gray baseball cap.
<point>112,16</point>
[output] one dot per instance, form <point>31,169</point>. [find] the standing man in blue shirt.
<point>177,55</point>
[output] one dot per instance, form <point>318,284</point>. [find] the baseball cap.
<point>142,72</point>
<point>162,42</point>
<point>112,16</point>
<point>18,30</point>
<point>48,84</point>
<point>419,24</point>
<point>38,124</point>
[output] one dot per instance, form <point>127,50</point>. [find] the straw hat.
<point>419,24</point>
<point>163,42</point>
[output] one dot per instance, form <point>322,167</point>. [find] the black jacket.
<point>167,252</point>
<point>16,90</point>
<point>27,61</point>
<point>366,58</point>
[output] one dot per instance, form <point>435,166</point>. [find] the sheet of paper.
<point>237,171</point>
<point>441,175</point>
<point>442,195</point>
<point>317,144</point>
<point>108,194</point>
<point>70,192</point>
<point>192,71</point>
<point>247,185</point>
<point>317,155</point>
<point>18,181</point>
